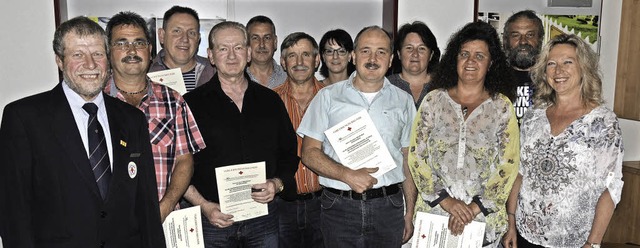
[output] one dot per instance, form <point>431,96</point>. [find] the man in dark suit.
<point>55,191</point>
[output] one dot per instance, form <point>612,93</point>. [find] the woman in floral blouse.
<point>464,150</point>
<point>570,178</point>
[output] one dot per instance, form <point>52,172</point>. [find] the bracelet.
<point>514,215</point>
<point>593,245</point>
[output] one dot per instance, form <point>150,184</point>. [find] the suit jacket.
<point>49,197</point>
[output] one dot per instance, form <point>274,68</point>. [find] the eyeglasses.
<point>126,45</point>
<point>341,52</point>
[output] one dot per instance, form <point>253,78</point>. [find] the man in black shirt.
<point>241,122</point>
<point>522,40</point>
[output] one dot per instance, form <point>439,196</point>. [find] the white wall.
<point>443,17</point>
<point>28,63</point>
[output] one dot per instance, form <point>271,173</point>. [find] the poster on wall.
<point>584,26</point>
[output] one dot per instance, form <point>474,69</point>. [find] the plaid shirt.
<point>306,179</point>
<point>172,129</point>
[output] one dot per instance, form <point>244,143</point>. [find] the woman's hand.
<point>458,209</point>
<point>456,225</point>
<point>510,238</point>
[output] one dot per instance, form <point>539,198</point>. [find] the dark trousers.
<point>370,223</point>
<point>257,232</point>
<point>300,223</point>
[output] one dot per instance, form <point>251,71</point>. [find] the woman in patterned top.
<point>464,150</point>
<point>570,178</point>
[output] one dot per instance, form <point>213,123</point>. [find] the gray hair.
<point>226,25</point>
<point>82,26</point>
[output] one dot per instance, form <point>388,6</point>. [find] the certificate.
<point>431,230</point>
<point>358,144</point>
<point>171,78</point>
<point>183,228</point>
<point>234,190</point>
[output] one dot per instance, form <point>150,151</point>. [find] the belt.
<point>309,196</point>
<point>369,194</point>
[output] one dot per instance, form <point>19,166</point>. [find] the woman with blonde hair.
<point>571,154</point>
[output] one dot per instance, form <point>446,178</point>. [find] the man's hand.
<point>360,180</point>
<point>408,228</point>
<point>211,210</point>
<point>264,192</point>
<point>165,209</point>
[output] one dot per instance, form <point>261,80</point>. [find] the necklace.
<point>132,93</point>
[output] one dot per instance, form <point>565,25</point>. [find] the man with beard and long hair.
<point>173,131</point>
<point>522,40</point>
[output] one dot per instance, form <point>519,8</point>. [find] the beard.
<point>523,56</point>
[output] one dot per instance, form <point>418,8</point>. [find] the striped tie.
<point>98,154</point>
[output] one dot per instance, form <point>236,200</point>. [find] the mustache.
<point>371,66</point>
<point>300,68</point>
<point>131,58</point>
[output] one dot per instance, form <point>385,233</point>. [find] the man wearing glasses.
<point>173,131</point>
<point>180,37</point>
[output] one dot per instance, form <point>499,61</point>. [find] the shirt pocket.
<point>161,131</point>
<point>393,123</point>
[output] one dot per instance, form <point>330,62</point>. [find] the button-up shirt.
<point>392,111</point>
<point>276,79</point>
<point>173,130</point>
<point>306,179</point>
<point>261,131</point>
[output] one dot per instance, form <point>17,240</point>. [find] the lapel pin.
<point>122,143</point>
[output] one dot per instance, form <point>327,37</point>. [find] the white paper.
<point>234,190</point>
<point>183,228</point>
<point>431,231</point>
<point>171,78</point>
<point>358,144</point>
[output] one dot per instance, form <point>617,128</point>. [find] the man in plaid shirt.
<point>173,132</point>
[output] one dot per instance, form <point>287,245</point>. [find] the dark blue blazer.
<point>48,194</point>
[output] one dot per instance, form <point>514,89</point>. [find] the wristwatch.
<point>280,186</point>
<point>593,245</point>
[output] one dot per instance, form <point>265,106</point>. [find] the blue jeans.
<point>258,232</point>
<point>377,222</point>
<point>300,223</point>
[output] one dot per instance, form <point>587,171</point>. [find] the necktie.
<point>98,154</point>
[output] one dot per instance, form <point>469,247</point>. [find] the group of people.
<point>106,155</point>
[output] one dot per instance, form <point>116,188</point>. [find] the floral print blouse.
<point>470,160</point>
<point>563,176</point>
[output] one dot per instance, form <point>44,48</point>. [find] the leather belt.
<point>369,194</point>
<point>309,196</point>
